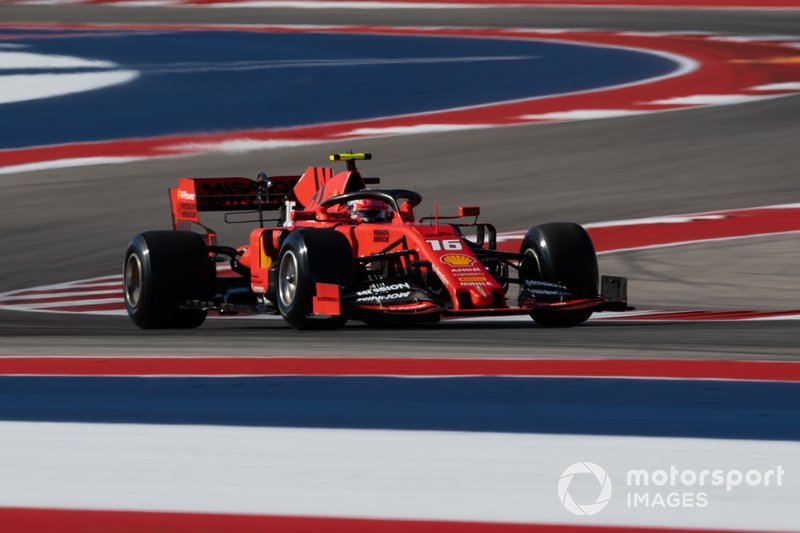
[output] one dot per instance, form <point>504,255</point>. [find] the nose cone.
<point>480,297</point>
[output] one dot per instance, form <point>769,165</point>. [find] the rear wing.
<point>193,195</point>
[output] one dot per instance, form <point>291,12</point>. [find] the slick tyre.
<point>563,253</point>
<point>307,257</point>
<point>161,270</point>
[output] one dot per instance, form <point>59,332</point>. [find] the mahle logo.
<point>589,508</point>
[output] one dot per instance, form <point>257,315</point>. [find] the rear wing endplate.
<point>193,195</point>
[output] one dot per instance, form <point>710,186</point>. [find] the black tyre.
<point>308,257</point>
<point>561,253</point>
<point>162,269</point>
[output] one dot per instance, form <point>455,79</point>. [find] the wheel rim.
<point>133,280</point>
<point>530,252</point>
<point>287,279</point>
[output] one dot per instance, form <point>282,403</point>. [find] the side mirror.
<point>471,211</point>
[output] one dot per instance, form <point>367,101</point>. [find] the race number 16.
<point>450,245</point>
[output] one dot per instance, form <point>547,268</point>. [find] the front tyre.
<point>561,253</point>
<point>161,270</point>
<point>307,257</point>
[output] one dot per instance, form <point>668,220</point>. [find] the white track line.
<point>401,474</point>
<point>585,114</point>
<point>787,86</point>
<point>712,99</point>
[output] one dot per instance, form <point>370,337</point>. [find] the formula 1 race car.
<point>339,250</point>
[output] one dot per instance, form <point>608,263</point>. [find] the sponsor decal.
<point>186,208</point>
<point>380,235</point>
<point>466,270</point>
<point>472,278</point>
<point>381,293</point>
<point>228,187</point>
<point>534,283</point>
<point>226,192</point>
<point>457,260</point>
<point>542,292</point>
<point>477,284</point>
<point>187,213</point>
<point>384,297</point>
<point>532,288</point>
<point>382,288</point>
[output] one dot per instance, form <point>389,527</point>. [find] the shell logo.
<point>457,259</point>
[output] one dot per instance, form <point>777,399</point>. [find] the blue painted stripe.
<point>720,409</point>
<point>199,81</point>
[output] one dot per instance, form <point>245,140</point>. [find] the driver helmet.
<point>368,210</point>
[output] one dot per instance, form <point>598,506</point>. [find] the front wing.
<point>613,297</point>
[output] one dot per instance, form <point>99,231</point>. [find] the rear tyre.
<point>307,257</point>
<point>161,270</point>
<point>562,253</point>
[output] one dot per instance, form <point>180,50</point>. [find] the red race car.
<point>339,250</point>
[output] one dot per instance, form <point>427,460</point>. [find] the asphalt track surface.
<point>73,223</point>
